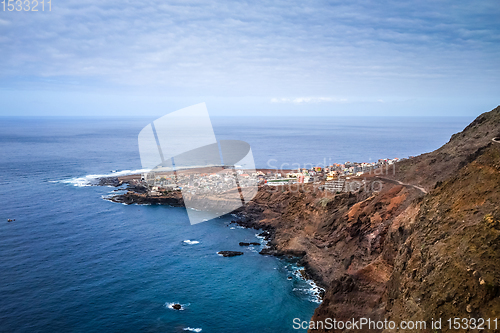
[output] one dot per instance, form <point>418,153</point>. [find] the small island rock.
<point>248,244</point>
<point>230,253</point>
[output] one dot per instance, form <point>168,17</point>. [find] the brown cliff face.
<point>401,254</point>
<point>449,264</point>
<point>341,237</point>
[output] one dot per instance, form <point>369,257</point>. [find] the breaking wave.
<point>170,305</point>
<point>90,180</point>
<point>313,290</point>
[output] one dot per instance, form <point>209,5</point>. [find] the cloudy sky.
<point>111,57</point>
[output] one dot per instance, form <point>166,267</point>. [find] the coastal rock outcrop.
<point>230,253</point>
<point>109,181</point>
<point>131,197</point>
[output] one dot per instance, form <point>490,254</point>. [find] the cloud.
<point>262,48</point>
<point>304,100</point>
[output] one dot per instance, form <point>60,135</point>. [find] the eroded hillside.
<point>401,254</point>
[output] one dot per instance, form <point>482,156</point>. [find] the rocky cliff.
<point>401,253</point>
<point>426,245</point>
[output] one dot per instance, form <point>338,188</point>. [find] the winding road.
<point>421,189</point>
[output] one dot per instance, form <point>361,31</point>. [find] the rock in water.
<point>230,253</point>
<point>109,181</point>
<point>244,244</point>
<point>303,273</point>
<point>176,307</point>
<point>268,252</point>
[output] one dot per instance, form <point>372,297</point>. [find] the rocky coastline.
<point>137,194</point>
<point>132,197</point>
<point>425,245</point>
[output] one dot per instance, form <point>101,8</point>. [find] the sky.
<point>251,58</point>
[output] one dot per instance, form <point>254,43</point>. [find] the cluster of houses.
<point>334,172</point>
<point>198,183</point>
<point>357,169</point>
<point>222,180</point>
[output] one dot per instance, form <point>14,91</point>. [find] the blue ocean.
<point>75,262</point>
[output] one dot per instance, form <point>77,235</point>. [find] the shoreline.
<point>252,215</point>
<point>339,238</point>
<point>272,250</point>
<point>267,232</point>
<point>377,251</point>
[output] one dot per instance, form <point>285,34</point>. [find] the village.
<point>216,180</point>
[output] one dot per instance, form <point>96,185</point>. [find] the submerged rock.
<point>265,234</point>
<point>268,252</point>
<point>248,244</point>
<point>176,307</point>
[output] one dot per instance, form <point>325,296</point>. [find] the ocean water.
<point>74,262</point>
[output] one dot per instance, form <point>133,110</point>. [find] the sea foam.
<point>314,291</point>
<point>170,305</point>
<point>90,180</point>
